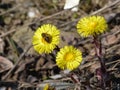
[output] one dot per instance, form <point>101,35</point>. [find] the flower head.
<point>91,25</point>
<point>45,38</point>
<point>48,87</point>
<point>68,58</point>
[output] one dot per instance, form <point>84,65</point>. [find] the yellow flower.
<point>68,58</point>
<point>48,87</point>
<point>91,25</point>
<point>46,38</point>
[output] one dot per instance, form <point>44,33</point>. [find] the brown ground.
<point>22,68</point>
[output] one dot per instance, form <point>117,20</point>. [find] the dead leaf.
<point>5,64</point>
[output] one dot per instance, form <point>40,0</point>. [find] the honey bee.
<point>47,37</point>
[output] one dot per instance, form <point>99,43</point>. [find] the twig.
<point>58,13</point>
<point>95,12</point>
<point>113,62</point>
<point>10,9</point>
<point>18,61</point>
<point>7,33</point>
<point>86,65</point>
<point>40,19</point>
<point>53,15</point>
<point>105,7</point>
<point>113,47</point>
<point>115,65</point>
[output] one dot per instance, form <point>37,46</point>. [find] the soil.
<point>21,68</point>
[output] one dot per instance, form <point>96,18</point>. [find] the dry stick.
<point>47,17</point>
<point>90,64</point>
<point>10,9</point>
<point>98,11</point>
<point>18,61</point>
<point>11,31</point>
<point>115,65</point>
<point>75,20</point>
<point>113,62</point>
<point>105,7</point>
<point>21,56</point>
<point>4,78</point>
<point>7,33</point>
<point>85,66</point>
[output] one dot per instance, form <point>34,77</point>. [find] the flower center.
<point>46,38</point>
<point>69,56</point>
<point>93,25</point>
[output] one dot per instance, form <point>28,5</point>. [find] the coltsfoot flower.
<point>46,38</point>
<point>68,58</point>
<point>91,25</point>
<point>48,87</point>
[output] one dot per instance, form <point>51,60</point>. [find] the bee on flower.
<point>91,25</point>
<point>46,38</point>
<point>68,58</point>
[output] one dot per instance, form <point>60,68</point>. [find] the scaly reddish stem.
<point>101,72</point>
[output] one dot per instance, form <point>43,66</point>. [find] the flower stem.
<point>101,72</point>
